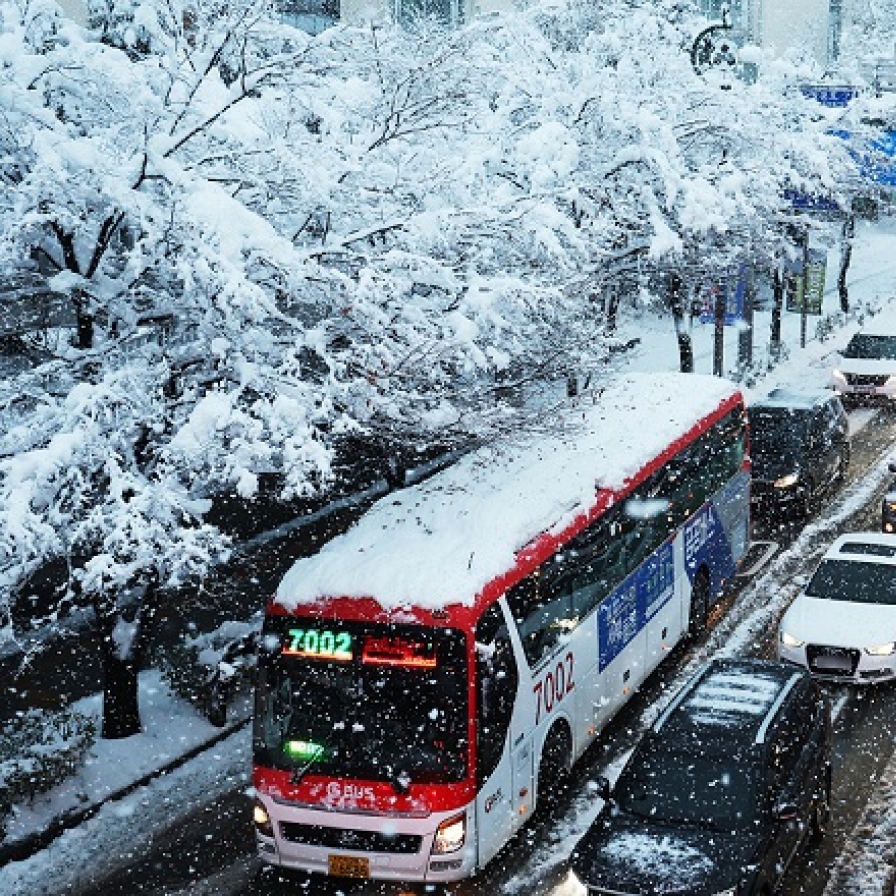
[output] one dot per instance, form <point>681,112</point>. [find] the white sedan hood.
<point>840,623</point>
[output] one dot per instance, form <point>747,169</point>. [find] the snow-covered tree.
<point>273,243</point>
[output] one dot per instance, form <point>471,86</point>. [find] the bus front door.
<point>498,758</point>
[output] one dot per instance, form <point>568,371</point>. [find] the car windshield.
<point>689,788</point>
<point>864,345</point>
<point>855,581</point>
<point>777,431</point>
<point>379,702</point>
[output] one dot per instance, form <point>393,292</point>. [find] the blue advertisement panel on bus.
<point>647,590</point>
<point>628,609</point>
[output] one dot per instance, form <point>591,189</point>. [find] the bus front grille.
<point>346,838</point>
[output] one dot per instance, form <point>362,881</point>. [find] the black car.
<point>723,790</point>
<point>799,447</point>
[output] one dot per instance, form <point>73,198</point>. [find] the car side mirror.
<point>892,468</point>
<point>786,812</point>
<point>604,789</point>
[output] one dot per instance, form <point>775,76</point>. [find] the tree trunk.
<point>612,308</point>
<point>121,703</point>
<point>718,336</point>
<point>745,336</point>
<point>84,320</point>
<point>675,298</point>
<point>777,305</point>
<point>849,230</point>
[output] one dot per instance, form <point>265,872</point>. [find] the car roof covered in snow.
<point>730,700</point>
<point>798,399</point>
<point>440,542</point>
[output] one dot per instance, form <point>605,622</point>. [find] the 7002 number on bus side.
<point>554,685</point>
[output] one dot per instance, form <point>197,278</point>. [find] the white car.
<point>842,625</point>
<point>866,368</point>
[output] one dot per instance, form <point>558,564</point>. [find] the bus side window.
<point>542,609</point>
<point>606,565</point>
<point>497,680</point>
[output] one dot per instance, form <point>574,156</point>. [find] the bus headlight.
<point>789,641</point>
<point>881,649</point>
<point>450,835</point>
<point>262,819</point>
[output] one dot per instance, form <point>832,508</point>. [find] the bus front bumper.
<point>405,852</point>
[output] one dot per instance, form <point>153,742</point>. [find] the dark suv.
<point>799,446</point>
<point>722,791</point>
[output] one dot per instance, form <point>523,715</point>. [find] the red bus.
<point>425,679</point>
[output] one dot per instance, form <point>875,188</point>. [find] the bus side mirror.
<point>604,789</point>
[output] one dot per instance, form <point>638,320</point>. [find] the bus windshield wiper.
<point>296,775</point>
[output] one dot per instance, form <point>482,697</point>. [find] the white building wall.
<point>76,10</point>
<point>366,12</point>
<point>785,26</point>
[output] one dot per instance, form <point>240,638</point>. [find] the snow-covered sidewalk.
<point>131,789</point>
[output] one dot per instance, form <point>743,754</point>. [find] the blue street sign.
<point>832,95</point>
<point>810,202</point>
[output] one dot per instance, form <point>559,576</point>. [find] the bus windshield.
<point>371,701</point>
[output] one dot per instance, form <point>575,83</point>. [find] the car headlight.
<point>891,506</point>
<point>838,377</point>
<point>789,641</point>
<point>731,891</point>
<point>450,835</point>
<point>787,481</point>
<point>881,649</point>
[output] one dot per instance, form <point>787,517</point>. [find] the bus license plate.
<point>348,866</point>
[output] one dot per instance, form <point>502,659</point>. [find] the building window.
<point>312,16</point>
<point>450,12</point>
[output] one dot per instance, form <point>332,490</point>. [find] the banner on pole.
<point>734,289</point>
<point>805,286</point>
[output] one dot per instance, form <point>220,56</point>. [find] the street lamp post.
<point>713,51</point>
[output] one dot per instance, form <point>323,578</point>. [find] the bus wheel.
<point>553,770</point>
<point>699,603</point>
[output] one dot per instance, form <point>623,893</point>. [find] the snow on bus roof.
<point>440,542</point>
